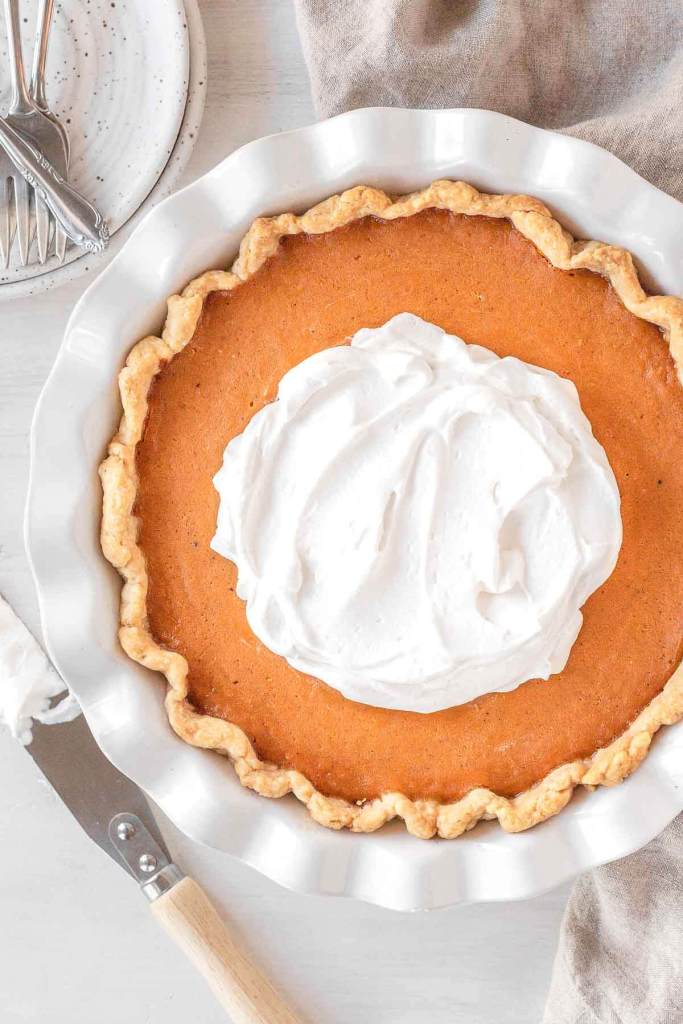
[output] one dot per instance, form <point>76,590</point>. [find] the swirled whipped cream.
<point>416,521</point>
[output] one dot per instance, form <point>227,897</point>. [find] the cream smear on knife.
<point>28,682</point>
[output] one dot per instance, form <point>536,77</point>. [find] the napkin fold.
<point>28,682</point>
<point>620,958</point>
<point>609,71</point>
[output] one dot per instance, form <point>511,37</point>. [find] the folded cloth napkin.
<point>620,959</point>
<point>28,682</point>
<point>610,71</point>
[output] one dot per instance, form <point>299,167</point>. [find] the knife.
<point>115,813</point>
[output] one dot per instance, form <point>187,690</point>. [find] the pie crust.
<point>423,818</point>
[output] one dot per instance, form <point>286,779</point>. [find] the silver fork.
<point>58,151</point>
<point>25,116</point>
<point>9,176</point>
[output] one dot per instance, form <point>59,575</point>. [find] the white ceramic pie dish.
<point>596,196</point>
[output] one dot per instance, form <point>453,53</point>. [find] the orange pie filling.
<point>480,279</point>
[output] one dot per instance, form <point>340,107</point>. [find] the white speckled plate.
<point>117,76</point>
<point>597,196</point>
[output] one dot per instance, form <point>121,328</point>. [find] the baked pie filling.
<point>460,590</point>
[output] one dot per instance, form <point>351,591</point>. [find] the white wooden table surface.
<point>77,943</point>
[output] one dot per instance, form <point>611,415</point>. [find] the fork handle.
<point>21,100</point>
<point>43,25</point>
<point>82,222</point>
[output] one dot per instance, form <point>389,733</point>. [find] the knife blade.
<point>106,804</point>
<point>114,812</point>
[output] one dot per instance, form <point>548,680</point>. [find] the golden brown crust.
<point>423,818</point>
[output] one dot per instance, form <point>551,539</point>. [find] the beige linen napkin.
<point>620,959</point>
<point>610,71</point>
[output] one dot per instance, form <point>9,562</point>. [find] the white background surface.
<point>77,943</point>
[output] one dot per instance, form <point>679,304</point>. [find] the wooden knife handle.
<point>190,919</point>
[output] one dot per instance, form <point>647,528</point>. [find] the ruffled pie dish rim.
<point>422,818</point>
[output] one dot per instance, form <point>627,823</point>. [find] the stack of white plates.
<point>128,80</point>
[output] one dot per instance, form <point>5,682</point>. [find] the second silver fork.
<point>56,148</point>
<point>24,115</point>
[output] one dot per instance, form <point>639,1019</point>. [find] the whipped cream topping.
<point>416,521</point>
<point>28,682</point>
